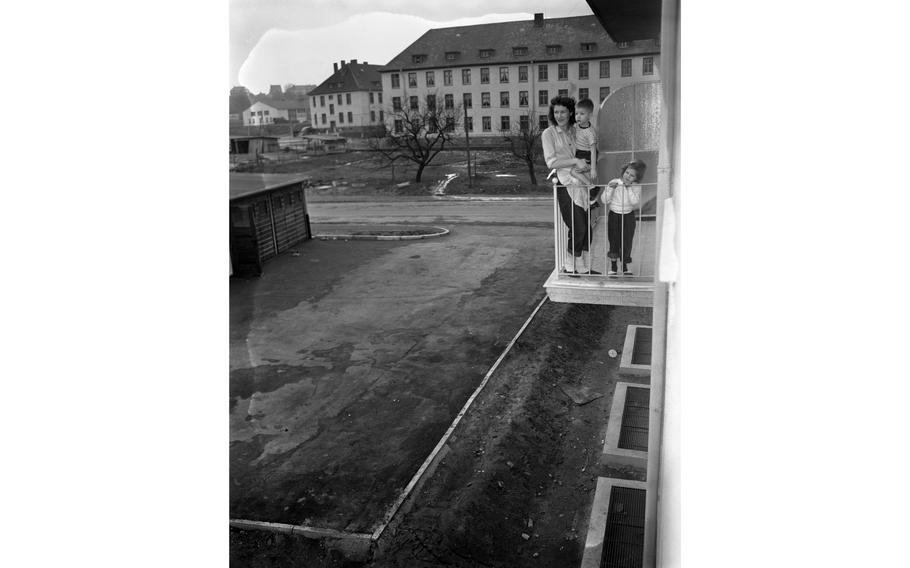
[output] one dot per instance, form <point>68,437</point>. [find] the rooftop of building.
<point>350,76</point>
<point>524,41</point>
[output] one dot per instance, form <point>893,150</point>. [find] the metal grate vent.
<point>624,537</point>
<point>641,351</point>
<point>633,433</point>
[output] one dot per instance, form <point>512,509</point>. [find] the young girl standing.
<point>623,196</point>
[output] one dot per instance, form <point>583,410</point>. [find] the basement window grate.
<point>641,351</point>
<point>633,432</point>
<point>624,537</point>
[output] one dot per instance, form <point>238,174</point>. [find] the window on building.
<point>340,118</point>
<point>450,124</point>
<point>432,125</point>
<point>396,103</point>
<point>485,53</point>
<point>447,77</point>
<point>412,80</point>
<point>647,65</point>
<point>452,55</point>
<point>542,72</point>
<point>626,68</point>
<point>258,113</point>
<point>503,74</point>
<point>331,97</point>
<point>466,99</point>
<point>522,98</point>
<point>371,98</point>
<point>314,102</point>
<point>465,76</point>
<point>340,102</point>
<point>622,44</point>
<point>562,72</point>
<point>484,75</point>
<point>504,98</point>
<point>418,58</point>
<point>431,79</point>
<point>562,92</point>
<point>323,118</point>
<point>469,124</point>
<point>543,98</point>
<point>415,103</point>
<point>372,116</point>
<point>431,102</point>
<point>522,73</point>
<point>350,117</point>
<point>604,69</point>
<point>604,93</point>
<point>347,98</point>
<point>331,108</point>
<point>519,51</point>
<point>582,70</point>
<point>322,100</point>
<point>543,121</point>
<point>380,97</point>
<point>398,126</point>
<point>484,100</point>
<point>553,49</point>
<point>395,82</point>
<point>486,123</point>
<point>582,94</point>
<point>588,47</point>
<point>449,101</point>
<point>381,116</point>
<point>523,122</point>
<point>504,123</point>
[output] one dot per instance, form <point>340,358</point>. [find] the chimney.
<point>335,65</point>
<point>342,62</point>
<point>353,62</point>
<point>538,19</point>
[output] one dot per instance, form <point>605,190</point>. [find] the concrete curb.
<point>491,198</point>
<point>440,232</point>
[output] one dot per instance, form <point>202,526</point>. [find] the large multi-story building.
<point>506,73</point>
<point>350,100</point>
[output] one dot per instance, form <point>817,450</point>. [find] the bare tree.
<point>524,141</point>
<point>420,132</point>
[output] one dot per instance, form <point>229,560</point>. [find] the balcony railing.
<point>589,278</point>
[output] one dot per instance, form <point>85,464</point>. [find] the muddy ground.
<point>361,172</point>
<point>516,485</point>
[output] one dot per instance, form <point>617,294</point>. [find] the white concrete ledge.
<point>612,453</point>
<point>597,524</point>
<point>628,351</point>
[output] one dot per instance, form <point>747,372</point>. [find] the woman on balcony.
<point>558,142</point>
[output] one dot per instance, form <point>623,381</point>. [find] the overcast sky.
<point>275,42</point>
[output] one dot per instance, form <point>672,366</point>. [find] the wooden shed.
<point>254,145</point>
<point>268,216</point>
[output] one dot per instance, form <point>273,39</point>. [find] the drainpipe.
<point>662,503</point>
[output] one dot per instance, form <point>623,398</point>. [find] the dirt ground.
<point>360,172</point>
<point>516,486</point>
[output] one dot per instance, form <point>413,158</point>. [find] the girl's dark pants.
<point>620,230</point>
<point>576,219</point>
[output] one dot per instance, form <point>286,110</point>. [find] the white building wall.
<point>359,109</point>
<point>533,86</point>
<point>252,115</point>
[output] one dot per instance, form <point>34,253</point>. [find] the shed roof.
<point>351,77</point>
<point>502,38</point>
<point>245,185</point>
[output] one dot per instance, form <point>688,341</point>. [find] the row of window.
<point>522,51</point>
<point>543,73</point>
<point>351,117</point>
<point>347,98</point>
<point>543,99</point>
<point>505,123</point>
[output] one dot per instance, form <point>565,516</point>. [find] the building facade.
<point>266,111</point>
<point>350,101</point>
<point>505,74</point>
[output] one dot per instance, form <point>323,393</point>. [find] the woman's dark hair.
<point>636,165</point>
<point>565,101</point>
